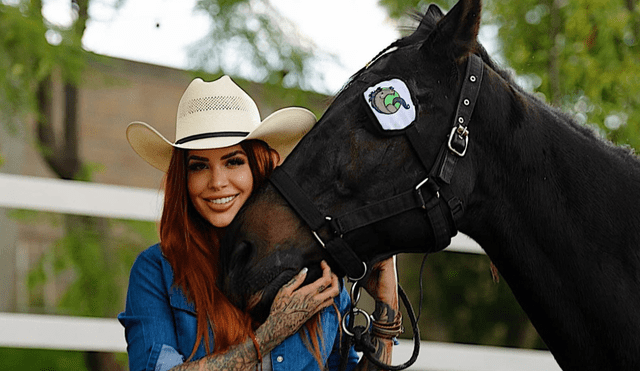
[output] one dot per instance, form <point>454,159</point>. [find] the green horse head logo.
<point>387,101</point>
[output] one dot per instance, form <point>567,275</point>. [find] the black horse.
<point>556,208</point>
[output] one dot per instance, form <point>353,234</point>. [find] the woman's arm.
<point>148,319</point>
<point>292,307</point>
<point>382,285</point>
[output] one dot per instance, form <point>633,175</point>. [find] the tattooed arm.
<point>292,307</point>
<point>382,285</point>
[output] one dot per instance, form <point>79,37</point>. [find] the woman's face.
<point>219,182</point>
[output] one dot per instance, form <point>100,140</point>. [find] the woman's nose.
<point>218,179</point>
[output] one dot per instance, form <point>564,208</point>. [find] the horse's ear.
<point>430,18</point>
<point>434,12</point>
<point>456,33</point>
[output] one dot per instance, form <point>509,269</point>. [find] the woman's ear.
<point>275,157</point>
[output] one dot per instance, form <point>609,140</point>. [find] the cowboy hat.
<point>219,114</point>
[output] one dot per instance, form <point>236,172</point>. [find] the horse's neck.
<point>559,217</point>
<point>556,179</point>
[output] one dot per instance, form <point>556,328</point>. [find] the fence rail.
<point>107,335</point>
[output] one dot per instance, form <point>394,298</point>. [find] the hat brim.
<point>282,130</point>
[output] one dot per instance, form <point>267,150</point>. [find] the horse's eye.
<point>342,189</point>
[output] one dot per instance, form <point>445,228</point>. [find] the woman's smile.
<point>223,200</point>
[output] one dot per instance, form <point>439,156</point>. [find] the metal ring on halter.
<point>354,294</point>
<point>364,273</point>
<point>356,311</point>
<point>319,239</point>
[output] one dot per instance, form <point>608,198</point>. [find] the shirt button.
<point>280,359</point>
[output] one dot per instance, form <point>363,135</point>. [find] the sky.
<point>354,30</point>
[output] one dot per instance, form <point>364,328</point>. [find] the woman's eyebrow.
<point>198,158</point>
<point>232,154</point>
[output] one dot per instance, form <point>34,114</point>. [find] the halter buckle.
<point>434,189</point>
<point>459,140</point>
<point>337,239</point>
<point>334,228</point>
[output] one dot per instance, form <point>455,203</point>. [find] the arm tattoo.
<point>383,312</point>
<point>238,358</point>
<point>384,348</point>
<point>286,319</point>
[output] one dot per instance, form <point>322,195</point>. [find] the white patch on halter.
<point>391,103</point>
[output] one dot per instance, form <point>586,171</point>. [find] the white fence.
<point>106,334</point>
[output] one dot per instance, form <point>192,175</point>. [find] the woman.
<point>176,317</point>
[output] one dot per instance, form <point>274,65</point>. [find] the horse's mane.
<point>586,131</point>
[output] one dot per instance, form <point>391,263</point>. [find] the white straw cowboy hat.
<point>220,114</point>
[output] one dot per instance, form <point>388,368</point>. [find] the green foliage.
<point>87,170</point>
<point>41,360</point>
<point>580,54</point>
<point>94,255</point>
<point>26,58</point>
<point>251,40</point>
<point>461,302</point>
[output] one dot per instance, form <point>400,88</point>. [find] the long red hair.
<point>191,245</point>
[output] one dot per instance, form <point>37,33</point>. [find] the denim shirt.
<point>160,324</point>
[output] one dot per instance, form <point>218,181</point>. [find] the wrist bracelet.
<point>255,344</point>
<point>388,330</point>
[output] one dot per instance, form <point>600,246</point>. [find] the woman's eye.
<point>197,166</point>
<point>236,161</point>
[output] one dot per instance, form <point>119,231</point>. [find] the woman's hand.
<point>295,305</point>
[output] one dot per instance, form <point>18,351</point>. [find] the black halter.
<point>432,194</point>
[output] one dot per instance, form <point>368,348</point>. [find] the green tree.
<point>250,39</point>
<point>26,59</point>
<point>33,53</point>
<point>581,55</point>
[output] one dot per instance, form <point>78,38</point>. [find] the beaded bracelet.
<point>255,344</point>
<point>389,330</point>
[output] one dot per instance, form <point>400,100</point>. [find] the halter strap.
<point>459,136</point>
<point>346,259</point>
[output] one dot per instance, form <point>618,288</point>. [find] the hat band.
<point>213,135</point>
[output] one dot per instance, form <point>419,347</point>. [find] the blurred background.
<point>74,73</point>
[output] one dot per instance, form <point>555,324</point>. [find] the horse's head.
<point>359,166</point>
